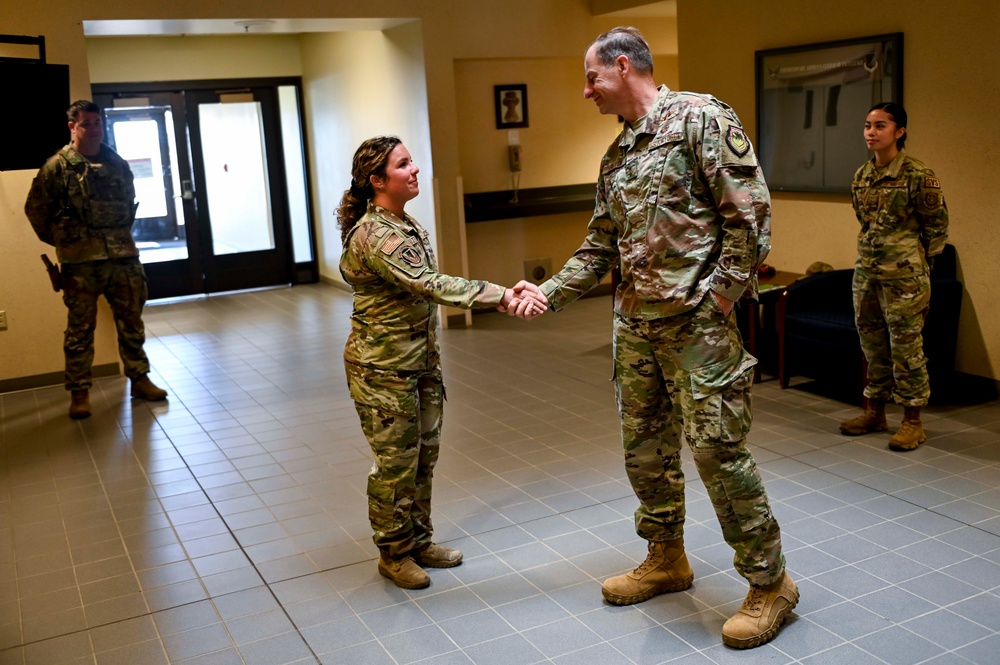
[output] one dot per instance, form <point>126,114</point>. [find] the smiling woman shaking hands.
<point>392,355</point>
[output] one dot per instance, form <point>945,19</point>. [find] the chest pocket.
<point>108,207</point>
<point>673,172</point>
<point>883,205</point>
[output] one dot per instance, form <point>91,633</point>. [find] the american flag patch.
<point>390,245</point>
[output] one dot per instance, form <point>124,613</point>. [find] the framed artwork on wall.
<point>511,102</point>
<point>811,106</point>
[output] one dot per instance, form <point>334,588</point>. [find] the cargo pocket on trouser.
<point>386,403</point>
<point>719,409</point>
<point>392,479</point>
<point>716,431</point>
<point>381,504</point>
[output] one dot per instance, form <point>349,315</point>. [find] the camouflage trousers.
<point>401,416</point>
<point>890,318</point>
<point>689,376</point>
<point>122,282</point>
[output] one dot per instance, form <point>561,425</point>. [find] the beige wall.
<point>36,318</point>
<point>330,66</point>
<point>562,145</point>
<point>141,59</point>
<point>454,38</point>
<point>343,108</point>
<point>951,96</point>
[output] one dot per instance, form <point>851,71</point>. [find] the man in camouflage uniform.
<point>82,202</point>
<point>904,225</point>
<point>683,209</point>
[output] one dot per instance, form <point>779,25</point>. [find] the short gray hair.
<point>624,41</point>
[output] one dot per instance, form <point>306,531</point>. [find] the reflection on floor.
<point>229,525</point>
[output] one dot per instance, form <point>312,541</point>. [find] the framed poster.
<point>511,103</point>
<point>811,106</point>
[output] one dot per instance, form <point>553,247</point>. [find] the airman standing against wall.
<point>83,202</point>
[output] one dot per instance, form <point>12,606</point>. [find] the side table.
<point>759,323</point>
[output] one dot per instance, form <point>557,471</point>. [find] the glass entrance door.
<point>148,132</point>
<point>219,176</point>
<point>242,209</point>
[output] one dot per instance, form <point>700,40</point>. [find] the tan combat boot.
<point>911,431</point>
<point>404,572</point>
<point>438,556</point>
<point>762,613</point>
<point>145,389</point>
<point>79,404</point>
<point>871,420</point>
<point>666,568</point>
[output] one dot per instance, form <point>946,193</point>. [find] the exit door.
<point>213,186</point>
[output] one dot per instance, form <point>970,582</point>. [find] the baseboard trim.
<point>50,379</point>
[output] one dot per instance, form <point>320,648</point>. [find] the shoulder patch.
<point>391,244</point>
<point>737,140</point>
<point>932,183</point>
<point>735,148</point>
<point>411,256</point>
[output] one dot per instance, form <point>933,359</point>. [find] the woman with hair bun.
<point>904,225</point>
<point>392,355</point>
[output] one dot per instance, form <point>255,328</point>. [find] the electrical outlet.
<point>537,270</point>
<point>3,319</point>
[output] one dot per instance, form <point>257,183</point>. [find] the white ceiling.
<point>236,26</point>
<point>664,8</point>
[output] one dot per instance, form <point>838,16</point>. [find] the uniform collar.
<point>647,124</point>
<point>74,156</point>
<point>893,169</point>
<point>406,222</point>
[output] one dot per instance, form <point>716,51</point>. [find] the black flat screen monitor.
<point>33,113</point>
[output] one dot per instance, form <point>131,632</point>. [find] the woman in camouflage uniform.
<point>392,355</point>
<point>904,225</point>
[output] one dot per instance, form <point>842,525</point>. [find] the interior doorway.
<point>220,176</point>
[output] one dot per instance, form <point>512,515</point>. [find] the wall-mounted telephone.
<point>514,157</point>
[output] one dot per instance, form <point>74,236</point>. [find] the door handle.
<point>187,191</point>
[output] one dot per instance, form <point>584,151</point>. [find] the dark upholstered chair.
<point>817,336</point>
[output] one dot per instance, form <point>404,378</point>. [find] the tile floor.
<point>228,525</point>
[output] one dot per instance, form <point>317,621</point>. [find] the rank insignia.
<point>737,141</point>
<point>411,256</point>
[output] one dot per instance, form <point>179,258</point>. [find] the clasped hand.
<point>525,301</point>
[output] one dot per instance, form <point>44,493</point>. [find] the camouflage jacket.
<point>904,219</point>
<point>84,207</point>
<point>681,206</point>
<point>389,263</point>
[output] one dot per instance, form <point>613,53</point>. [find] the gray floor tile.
<point>228,525</point>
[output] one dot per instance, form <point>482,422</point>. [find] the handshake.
<point>525,301</point>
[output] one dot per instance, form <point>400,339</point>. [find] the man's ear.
<point>623,65</point>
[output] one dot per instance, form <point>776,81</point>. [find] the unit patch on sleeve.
<point>411,256</point>
<point>736,149</point>
<point>932,183</point>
